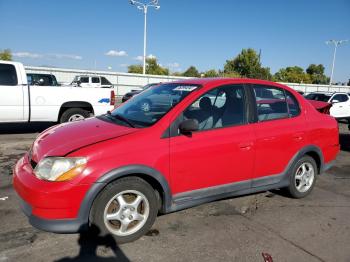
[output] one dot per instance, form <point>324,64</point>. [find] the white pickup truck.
<point>20,102</point>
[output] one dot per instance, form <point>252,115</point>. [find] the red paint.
<point>208,158</point>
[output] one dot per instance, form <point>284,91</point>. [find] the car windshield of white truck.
<point>148,107</point>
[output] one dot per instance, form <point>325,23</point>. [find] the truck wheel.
<point>125,209</point>
<point>74,114</point>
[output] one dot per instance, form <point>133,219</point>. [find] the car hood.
<point>65,138</point>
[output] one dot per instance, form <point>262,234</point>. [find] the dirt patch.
<point>17,238</point>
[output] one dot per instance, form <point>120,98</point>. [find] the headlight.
<point>59,168</point>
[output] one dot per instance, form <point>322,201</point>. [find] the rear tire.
<point>303,177</point>
<point>74,114</point>
<point>125,209</point>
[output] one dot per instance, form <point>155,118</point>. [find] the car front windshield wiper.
<point>120,117</point>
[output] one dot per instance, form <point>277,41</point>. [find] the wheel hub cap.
<point>304,177</point>
<point>126,213</point>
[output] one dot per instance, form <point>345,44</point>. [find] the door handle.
<point>298,136</point>
<point>246,146</point>
<point>271,138</point>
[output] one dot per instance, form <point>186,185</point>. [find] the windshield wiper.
<point>120,117</point>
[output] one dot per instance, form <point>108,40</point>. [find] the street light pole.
<point>336,44</point>
<point>144,8</point>
<point>144,40</point>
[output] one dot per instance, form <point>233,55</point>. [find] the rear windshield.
<point>318,97</point>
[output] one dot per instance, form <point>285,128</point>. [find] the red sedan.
<point>209,139</point>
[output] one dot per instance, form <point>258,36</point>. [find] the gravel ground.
<point>316,228</point>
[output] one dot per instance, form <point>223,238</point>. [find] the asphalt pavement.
<point>316,228</point>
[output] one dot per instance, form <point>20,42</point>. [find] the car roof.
<point>40,74</point>
<point>223,80</point>
<point>321,93</point>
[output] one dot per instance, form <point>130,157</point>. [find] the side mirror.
<point>188,126</point>
<point>335,101</point>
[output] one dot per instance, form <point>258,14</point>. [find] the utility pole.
<point>144,8</point>
<point>336,44</point>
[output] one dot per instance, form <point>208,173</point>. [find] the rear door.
<point>84,81</point>
<point>341,106</point>
<point>95,81</point>
<point>12,95</point>
<point>279,130</point>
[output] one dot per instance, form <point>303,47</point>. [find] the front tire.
<point>303,177</point>
<point>126,209</point>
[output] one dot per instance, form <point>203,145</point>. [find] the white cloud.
<point>116,53</point>
<point>27,55</point>
<point>140,57</point>
<point>67,56</point>
<point>174,65</point>
<point>54,56</point>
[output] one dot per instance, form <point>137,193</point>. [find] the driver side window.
<point>220,107</point>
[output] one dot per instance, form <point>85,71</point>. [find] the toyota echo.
<point>199,140</point>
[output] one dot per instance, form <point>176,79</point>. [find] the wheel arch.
<point>75,104</point>
<point>150,175</point>
<point>316,153</point>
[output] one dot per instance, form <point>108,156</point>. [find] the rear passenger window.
<point>104,81</point>
<point>95,80</point>
<point>8,76</point>
<point>84,80</point>
<point>271,103</point>
<point>293,106</point>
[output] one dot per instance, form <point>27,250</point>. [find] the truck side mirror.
<point>335,101</point>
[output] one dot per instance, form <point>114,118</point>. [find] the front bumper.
<point>50,206</point>
<point>54,225</point>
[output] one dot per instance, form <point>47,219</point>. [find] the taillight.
<point>112,98</point>
<point>325,109</point>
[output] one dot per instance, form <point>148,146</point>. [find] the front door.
<point>11,98</point>
<point>221,151</point>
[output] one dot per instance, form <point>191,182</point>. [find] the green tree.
<point>292,74</point>
<point>247,64</point>
<point>152,68</point>
<point>191,72</point>
<point>317,75</point>
<point>6,55</point>
<point>230,75</point>
<point>136,69</point>
<point>211,73</point>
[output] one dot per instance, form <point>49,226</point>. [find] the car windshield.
<point>149,85</point>
<point>318,97</point>
<point>151,105</point>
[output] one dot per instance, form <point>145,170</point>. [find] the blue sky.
<point>75,34</point>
